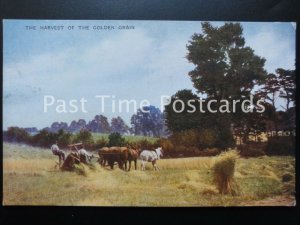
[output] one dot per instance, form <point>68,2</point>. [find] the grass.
<point>31,178</point>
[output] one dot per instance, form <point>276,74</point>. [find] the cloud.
<point>139,64</point>
<point>273,46</point>
<point>133,65</point>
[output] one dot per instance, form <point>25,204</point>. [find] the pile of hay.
<point>223,172</point>
<point>74,163</point>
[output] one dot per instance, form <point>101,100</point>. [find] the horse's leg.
<point>143,165</point>
<point>59,160</point>
<point>156,166</point>
<point>135,161</point>
<point>111,164</point>
<point>129,167</point>
<point>121,166</point>
<point>153,164</point>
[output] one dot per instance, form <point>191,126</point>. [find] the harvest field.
<point>30,177</point>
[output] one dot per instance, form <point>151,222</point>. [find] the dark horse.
<point>112,155</point>
<point>133,155</point>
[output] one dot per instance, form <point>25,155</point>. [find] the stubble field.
<point>30,177</point>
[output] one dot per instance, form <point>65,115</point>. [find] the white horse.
<point>151,156</point>
<point>86,156</point>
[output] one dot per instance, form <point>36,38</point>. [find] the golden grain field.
<point>30,177</point>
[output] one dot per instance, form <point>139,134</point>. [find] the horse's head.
<point>159,152</point>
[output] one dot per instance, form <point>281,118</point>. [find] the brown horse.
<point>112,155</point>
<point>133,155</point>
<point>102,156</point>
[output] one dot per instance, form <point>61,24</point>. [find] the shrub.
<point>223,170</point>
<point>145,144</point>
<point>195,141</point>
<point>16,134</point>
<point>166,145</point>
<point>63,138</point>
<point>252,149</point>
<point>44,139</point>
<point>280,145</point>
<point>207,138</point>
<point>181,149</point>
<point>101,142</point>
<point>209,152</point>
<point>186,138</point>
<point>86,138</point>
<point>116,139</point>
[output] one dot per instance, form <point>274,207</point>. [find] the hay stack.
<point>223,170</point>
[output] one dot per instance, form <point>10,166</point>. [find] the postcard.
<point>148,113</point>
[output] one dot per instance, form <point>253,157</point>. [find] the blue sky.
<point>143,63</point>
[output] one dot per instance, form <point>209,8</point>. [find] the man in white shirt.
<point>56,151</point>
<point>85,156</point>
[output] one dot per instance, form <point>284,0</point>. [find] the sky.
<point>146,62</point>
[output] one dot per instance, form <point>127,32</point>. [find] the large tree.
<point>99,124</point>
<point>77,126</point>
<point>117,125</point>
<point>148,121</point>
<point>192,117</point>
<point>185,120</point>
<point>287,81</point>
<point>224,69</point>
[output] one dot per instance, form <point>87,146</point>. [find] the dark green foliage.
<point>282,83</point>
<point>252,149</point>
<point>148,121</point>
<point>177,122</point>
<point>99,124</point>
<point>185,124</point>
<point>101,142</point>
<point>16,134</point>
<point>116,139</point>
<point>145,144</point>
<point>45,138</point>
<point>287,80</point>
<point>118,125</point>
<point>63,138</point>
<point>86,138</point>
<point>224,69</point>
<point>281,145</point>
<point>224,66</point>
<point>190,143</point>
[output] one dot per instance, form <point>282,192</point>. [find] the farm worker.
<point>85,156</point>
<point>56,151</point>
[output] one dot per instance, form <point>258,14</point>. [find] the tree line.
<point>148,121</point>
<point>225,68</point>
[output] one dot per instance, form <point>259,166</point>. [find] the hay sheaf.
<point>223,172</point>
